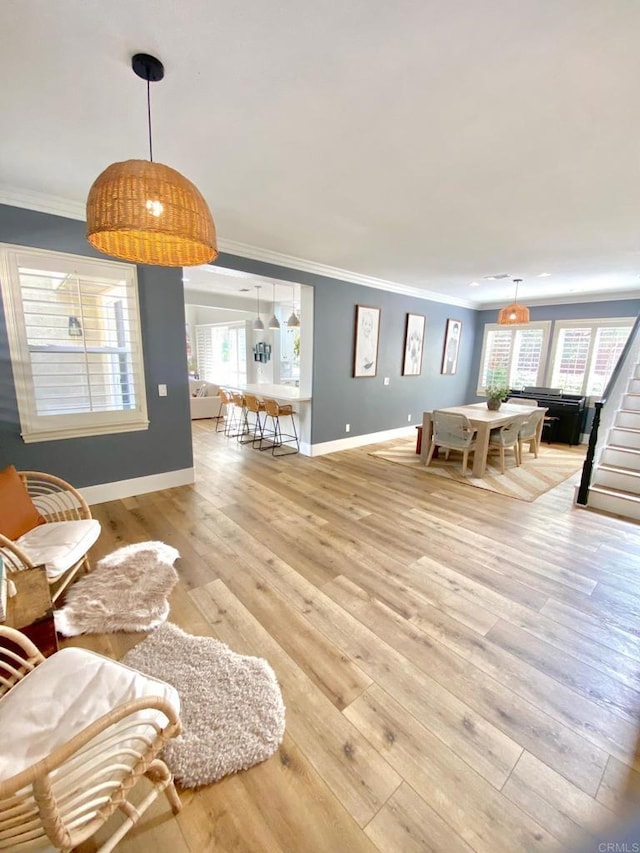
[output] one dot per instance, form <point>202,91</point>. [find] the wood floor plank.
<point>360,778</point>
<point>593,684</point>
<point>587,649</point>
<point>522,721</point>
<point>331,671</point>
<point>552,801</point>
<point>620,788</point>
<point>406,823</point>
<point>464,800</point>
<point>589,624</point>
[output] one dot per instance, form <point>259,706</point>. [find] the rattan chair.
<point>452,432</point>
<point>62,543</point>
<point>79,732</point>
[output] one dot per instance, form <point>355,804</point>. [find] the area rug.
<point>526,483</point>
<point>231,707</point>
<point>127,591</point>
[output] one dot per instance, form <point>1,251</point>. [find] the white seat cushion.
<point>61,697</point>
<point>58,545</point>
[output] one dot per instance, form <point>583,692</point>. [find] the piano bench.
<point>550,424</point>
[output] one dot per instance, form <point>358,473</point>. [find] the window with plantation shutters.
<point>586,352</point>
<point>514,357</point>
<point>76,349</point>
<point>221,353</point>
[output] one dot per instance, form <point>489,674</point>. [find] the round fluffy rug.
<point>232,710</point>
<point>127,591</point>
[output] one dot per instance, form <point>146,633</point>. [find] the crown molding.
<point>43,203</point>
<point>612,296</point>
<point>291,262</point>
<point>58,206</point>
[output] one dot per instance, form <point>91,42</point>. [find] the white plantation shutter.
<point>525,367</point>
<point>570,363</point>
<point>75,344</point>
<point>221,353</point>
<point>497,357</point>
<point>513,356</point>
<point>609,344</point>
<point>585,354</point>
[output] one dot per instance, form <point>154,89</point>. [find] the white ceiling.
<point>421,142</point>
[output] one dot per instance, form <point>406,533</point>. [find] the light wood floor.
<point>460,669</point>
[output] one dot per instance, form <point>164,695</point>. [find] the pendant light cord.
<point>517,282</point>
<point>149,120</point>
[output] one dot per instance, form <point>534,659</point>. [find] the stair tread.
<point>618,469</point>
<point>622,447</point>
<point>626,429</point>
<point>615,493</point>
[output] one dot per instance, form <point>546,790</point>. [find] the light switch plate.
<point>162,390</point>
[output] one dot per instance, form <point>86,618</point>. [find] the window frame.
<point>34,427</point>
<point>235,326</point>
<point>544,325</point>
<point>593,325</point>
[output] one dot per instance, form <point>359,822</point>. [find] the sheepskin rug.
<point>127,591</point>
<point>232,710</point>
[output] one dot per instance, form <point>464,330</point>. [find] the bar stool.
<point>256,430</point>
<point>279,439</point>
<point>227,405</point>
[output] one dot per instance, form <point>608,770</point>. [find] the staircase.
<point>615,484</point>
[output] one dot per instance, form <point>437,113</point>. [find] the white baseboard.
<point>360,440</point>
<point>137,486</point>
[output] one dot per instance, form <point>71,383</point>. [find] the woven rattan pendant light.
<point>146,212</point>
<point>514,314</point>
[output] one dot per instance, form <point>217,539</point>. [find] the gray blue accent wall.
<point>366,404</point>
<point>166,445</point>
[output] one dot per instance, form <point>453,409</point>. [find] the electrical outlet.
<point>347,427</point>
<point>409,418</point>
<point>162,390</point>
<point>386,380</point>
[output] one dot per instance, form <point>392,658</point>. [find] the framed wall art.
<point>413,345</point>
<point>452,335</point>
<point>367,335</point>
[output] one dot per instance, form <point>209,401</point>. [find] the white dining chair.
<point>453,432</point>
<point>505,438</point>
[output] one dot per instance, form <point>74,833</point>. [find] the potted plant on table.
<point>495,396</point>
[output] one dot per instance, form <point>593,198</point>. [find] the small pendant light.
<point>514,314</point>
<point>294,321</point>
<point>147,212</point>
<point>274,323</point>
<point>258,325</point>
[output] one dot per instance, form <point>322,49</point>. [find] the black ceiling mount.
<point>147,67</point>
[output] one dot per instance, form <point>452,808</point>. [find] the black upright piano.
<point>569,409</point>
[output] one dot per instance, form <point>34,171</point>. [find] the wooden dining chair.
<point>452,432</point>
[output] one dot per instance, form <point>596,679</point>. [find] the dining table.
<point>483,420</point>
